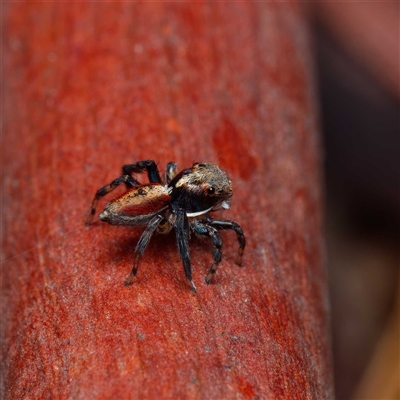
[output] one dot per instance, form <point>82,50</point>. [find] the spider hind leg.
<point>149,165</point>
<point>127,179</point>
<point>141,246</point>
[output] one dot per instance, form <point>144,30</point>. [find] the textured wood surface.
<point>88,87</point>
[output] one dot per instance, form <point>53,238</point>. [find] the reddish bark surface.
<point>88,87</point>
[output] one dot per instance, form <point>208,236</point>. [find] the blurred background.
<point>357,46</point>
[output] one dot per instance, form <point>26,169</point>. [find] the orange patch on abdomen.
<point>143,200</point>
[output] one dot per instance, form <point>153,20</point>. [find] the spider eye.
<point>211,190</point>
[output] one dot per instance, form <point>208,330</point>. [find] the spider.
<point>183,201</point>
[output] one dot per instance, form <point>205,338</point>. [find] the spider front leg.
<point>182,234</point>
<point>149,165</point>
<point>203,229</point>
<point>127,179</point>
<point>231,225</point>
<point>141,246</point>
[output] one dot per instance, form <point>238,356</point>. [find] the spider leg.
<point>141,246</point>
<point>170,172</point>
<point>232,225</point>
<point>182,228</point>
<point>212,233</point>
<point>149,165</point>
<point>127,179</point>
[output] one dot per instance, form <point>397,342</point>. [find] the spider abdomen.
<point>136,206</point>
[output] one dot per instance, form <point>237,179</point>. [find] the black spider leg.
<point>127,179</point>
<point>182,229</point>
<point>149,165</point>
<point>230,225</point>
<point>203,229</point>
<point>141,246</point>
<point>170,172</point>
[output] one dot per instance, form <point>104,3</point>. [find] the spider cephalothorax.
<point>176,203</point>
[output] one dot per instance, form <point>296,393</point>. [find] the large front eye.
<point>211,190</point>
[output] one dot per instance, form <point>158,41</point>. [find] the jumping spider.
<point>183,202</point>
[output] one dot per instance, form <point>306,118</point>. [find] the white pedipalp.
<point>226,204</point>
<point>196,214</point>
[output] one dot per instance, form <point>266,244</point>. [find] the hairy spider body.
<point>182,201</point>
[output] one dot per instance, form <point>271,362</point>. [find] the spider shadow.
<point>161,257</point>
